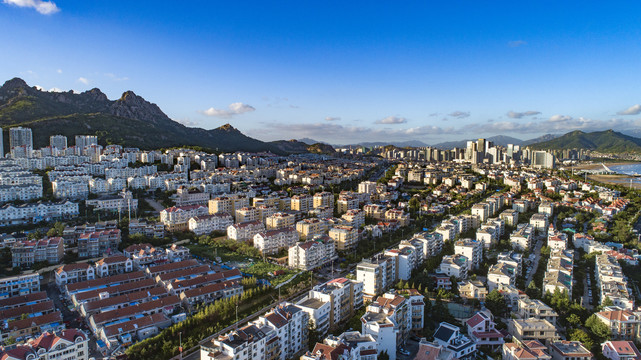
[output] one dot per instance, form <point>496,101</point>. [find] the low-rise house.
<point>526,350</point>
<point>450,337</point>
<point>532,329</point>
<point>472,289</point>
<point>620,350</point>
<point>73,273</point>
<point>481,328</point>
<point>536,309</point>
<point>569,350</point>
<point>61,344</point>
<point>113,265</point>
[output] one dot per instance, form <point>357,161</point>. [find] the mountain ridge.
<point>607,141</point>
<point>129,121</point>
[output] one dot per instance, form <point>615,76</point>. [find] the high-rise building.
<point>19,136</point>
<point>543,160</point>
<point>58,142</point>
<point>20,141</point>
<point>82,141</point>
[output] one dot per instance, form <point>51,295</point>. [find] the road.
<point>537,257</point>
<point>155,204</point>
<point>586,297</point>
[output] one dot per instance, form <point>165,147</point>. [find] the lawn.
<point>211,252</point>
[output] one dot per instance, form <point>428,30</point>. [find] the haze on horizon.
<point>343,72</point>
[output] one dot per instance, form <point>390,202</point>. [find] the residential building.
<point>455,265</point>
<point>73,273</point>
<point>527,350</point>
<point>245,231</point>
<point>95,244</point>
<point>500,274</point>
<point>206,224</point>
<point>346,237</point>
<point>532,329</point>
<point>25,253</point>
<point>620,350</point>
<point>472,289</point>
<point>389,320</point>
<point>18,285</point>
<point>377,274</point>
<point>450,337</point>
<point>177,218</point>
<point>113,265</point>
<point>310,228</point>
<point>472,250</point>
<point>270,242</point>
<point>569,350</point>
<point>536,309</point>
<point>481,328</point>
<point>63,344</point>
<point>280,220</point>
<point>312,254</point>
<point>333,302</point>
<point>623,324</point>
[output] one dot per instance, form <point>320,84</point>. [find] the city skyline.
<point>380,73</point>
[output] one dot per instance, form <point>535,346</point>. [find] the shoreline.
<point>617,179</point>
<point>598,165</point>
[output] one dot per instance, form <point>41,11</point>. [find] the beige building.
<point>280,220</point>
<point>309,228</point>
<point>532,329</point>
<point>472,289</point>
<point>346,237</point>
<point>323,199</point>
<point>302,202</point>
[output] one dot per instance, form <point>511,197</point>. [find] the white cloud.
<point>337,133</point>
<point>332,118</point>
<point>560,118</point>
<point>459,114</point>
<point>59,71</point>
<point>518,115</point>
<point>516,43</point>
<point>233,109</point>
<point>392,120</point>
<point>632,110</point>
<point>53,89</point>
<point>115,78</point>
<point>187,122</point>
<point>43,7</point>
<point>83,80</point>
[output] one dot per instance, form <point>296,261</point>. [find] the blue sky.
<point>343,72</point>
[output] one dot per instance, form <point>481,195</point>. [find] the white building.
<point>312,254</point>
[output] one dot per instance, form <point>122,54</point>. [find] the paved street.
<point>535,263</point>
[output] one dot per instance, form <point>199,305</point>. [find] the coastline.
<point>598,165</point>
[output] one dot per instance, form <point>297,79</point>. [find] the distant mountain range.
<point>501,140</point>
<point>608,141</point>
<point>129,121</point>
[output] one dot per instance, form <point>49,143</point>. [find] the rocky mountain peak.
<point>228,127</point>
<point>133,106</point>
<point>14,83</point>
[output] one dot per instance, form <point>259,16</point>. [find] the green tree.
<point>574,320</point>
<point>600,330</point>
<point>312,335</point>
<point>607,302</point>
<point>495,302</point>
<point>581,336</point>
<point>383,356</point>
